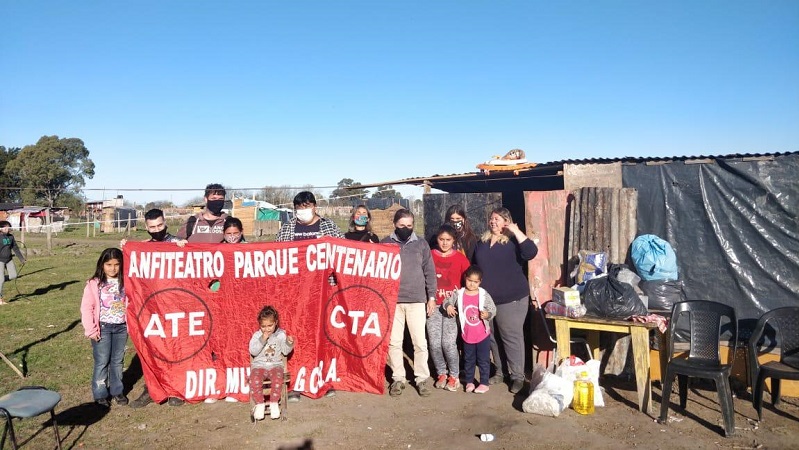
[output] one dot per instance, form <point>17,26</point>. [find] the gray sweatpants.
<point>12,273</point>
<point>442,337</point>
<point>508,327</point>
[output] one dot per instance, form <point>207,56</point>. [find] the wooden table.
<point>640,342</point>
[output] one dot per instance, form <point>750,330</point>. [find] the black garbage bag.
<point>662,294</point>
<point>609,297</point>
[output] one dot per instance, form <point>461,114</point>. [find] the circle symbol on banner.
<point>177,322</point>
<point>356,320</point>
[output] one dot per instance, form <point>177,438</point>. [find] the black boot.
<point>143,400</point>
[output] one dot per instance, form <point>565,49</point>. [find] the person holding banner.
<point>206,226</point>
<point>102,314</point>
<point>416,301</point>
<point>500,254</point>
<point>155,223</point>
<point>307,224</point>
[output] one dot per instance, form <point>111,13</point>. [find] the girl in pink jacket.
<point>102,313</point>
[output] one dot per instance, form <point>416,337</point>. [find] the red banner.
<point>193,310</point>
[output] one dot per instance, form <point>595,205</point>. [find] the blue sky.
<point>177,94</point>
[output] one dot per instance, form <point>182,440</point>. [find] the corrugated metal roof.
<point>554,167</point>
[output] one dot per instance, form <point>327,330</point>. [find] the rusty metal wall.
<point>545,224</point>
<point>602,220</point>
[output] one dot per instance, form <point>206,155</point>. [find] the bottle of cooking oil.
<point>583,402</point>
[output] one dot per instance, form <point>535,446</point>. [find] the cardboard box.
<point>566,296</point>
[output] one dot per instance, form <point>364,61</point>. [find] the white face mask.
<point>304,215</point>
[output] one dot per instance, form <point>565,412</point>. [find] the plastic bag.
<point>654,259</point>
<point>609,297</point>
<point>549,397</point>
<point>569,369</point>
<point>591,265</point>
<point>662,294</point>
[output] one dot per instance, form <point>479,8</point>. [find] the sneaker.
<point>258,411</point>
<point>441,382</point>
<point>470,387</point>
<point>294,397</point>
<point>143,400</point>
<point>452,384</point>
<point>496,379</point>
<point>396,388</point>
<point>274,410</point>
<point>516,386</point>
<point>424,388</point>
<point>231,400</point>
<point>102,402</point>
<point>482,389</point>
<point>121,400</point>
<point>330,393</point>
<point>174,401</point>
<point>209,400</point>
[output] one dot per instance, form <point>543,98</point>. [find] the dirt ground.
<point>443,420</point>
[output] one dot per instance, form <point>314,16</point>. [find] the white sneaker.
<point>274,410</point>
<point>209,400</point>
<point>258,411</point>
<point>230,400</point>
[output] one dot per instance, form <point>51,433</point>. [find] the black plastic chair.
<point>28,401</point>
<point>783,327</point>
<point>704,356</point>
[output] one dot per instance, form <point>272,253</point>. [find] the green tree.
<point>386,191</point>
<point>9,184</point>
<point>52,167</point>
<point>347,189</point>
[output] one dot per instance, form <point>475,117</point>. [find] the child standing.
<point>475,308</point>
<point>268,345</point>
<point>442,329</point>
<point>7,246</point>
<point>102,312</point>
<point>233,230</point>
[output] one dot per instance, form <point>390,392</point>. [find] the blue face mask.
<point>361,220</point>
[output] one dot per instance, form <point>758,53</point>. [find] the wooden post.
<point>87,223</point>
<point>48,223</point>
<point>10,364</point>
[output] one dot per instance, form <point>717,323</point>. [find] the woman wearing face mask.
<point>415,302</point>
<point>465,241</point>
<point>233,231</point>
<point>361,226</point>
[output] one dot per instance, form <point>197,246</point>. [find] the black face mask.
<point>403,233</point>
<point>215,206</point>
<point>158,236</point>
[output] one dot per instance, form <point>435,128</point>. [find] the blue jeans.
<point>108,354</point>
<point>477,355</point>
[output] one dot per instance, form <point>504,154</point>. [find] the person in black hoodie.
<point>361,226</point>
<point>7,246</point>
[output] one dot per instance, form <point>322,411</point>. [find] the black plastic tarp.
<point>734,226</point>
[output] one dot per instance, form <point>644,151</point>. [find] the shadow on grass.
<point>133,374</point>
<point>78,419</point>
<point>44,290</point>
<point>23,351</point>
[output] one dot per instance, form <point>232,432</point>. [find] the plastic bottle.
<point>583,402</point>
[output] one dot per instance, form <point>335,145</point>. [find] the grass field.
<point>40,330</point>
